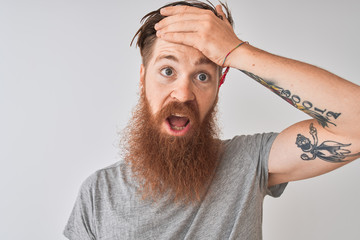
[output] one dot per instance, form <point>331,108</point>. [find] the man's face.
<point>182,74</point>
<point>172,141</point>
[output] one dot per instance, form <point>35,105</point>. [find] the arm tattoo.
<point>329,151</point>
<point>323,116</point>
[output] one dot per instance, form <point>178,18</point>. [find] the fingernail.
<point>156,26</point>
<point>163,11</point>
<point>158,33</point>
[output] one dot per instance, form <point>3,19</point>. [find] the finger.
<point>173,10</point>
<point>183,26</point>
<point>176,18</point>
<point>185,38</point>
<point>220,11</point>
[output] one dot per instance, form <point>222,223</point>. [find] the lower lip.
<point>174,132</point>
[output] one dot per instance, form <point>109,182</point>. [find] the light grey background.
<point>69,80</point>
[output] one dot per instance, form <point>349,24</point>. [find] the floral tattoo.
<point>329,151</point>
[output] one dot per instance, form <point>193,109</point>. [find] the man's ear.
<point>142,76</point>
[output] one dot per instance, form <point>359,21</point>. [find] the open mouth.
<point>178,122</point>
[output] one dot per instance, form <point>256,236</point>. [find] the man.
<point>177,180</point>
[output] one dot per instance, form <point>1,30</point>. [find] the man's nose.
<point>183,90</point>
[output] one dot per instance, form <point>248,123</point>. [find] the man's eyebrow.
<point>203,60</point>
<point>169,57</point>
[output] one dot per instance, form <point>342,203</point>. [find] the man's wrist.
<point>242,58</point>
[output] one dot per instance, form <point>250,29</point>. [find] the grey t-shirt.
<point>108,206</point>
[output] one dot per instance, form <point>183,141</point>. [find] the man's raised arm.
<point>308,148</point>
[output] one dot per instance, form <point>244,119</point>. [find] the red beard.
<point>178,167</point>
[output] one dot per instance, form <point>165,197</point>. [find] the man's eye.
<point>168,72</point>
<point>202,77</point>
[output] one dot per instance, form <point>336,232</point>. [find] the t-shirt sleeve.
<point>266,143</point>
<point>80,224</point>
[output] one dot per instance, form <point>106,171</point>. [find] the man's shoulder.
<point>247,149</point>
<point>248,141</point>
<point>104,176</point>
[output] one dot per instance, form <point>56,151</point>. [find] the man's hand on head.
<point>198,28</point>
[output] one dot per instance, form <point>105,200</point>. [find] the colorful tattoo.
<point>329,151</point>
<point>323,116</point>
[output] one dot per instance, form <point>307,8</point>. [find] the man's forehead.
<point>178,53</point>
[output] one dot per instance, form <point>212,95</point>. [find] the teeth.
<point>177,128</point>
<point>177,115</point>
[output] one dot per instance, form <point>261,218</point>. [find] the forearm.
<point>326,97</point>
